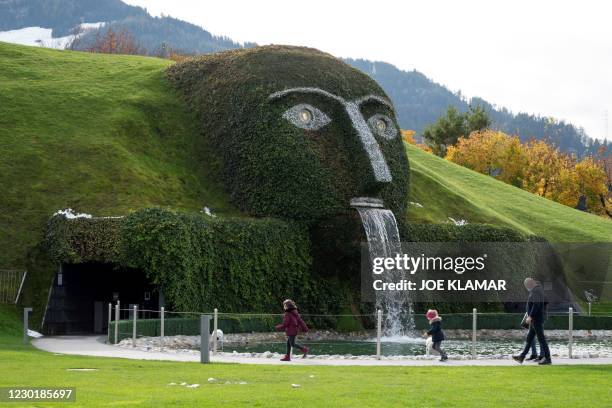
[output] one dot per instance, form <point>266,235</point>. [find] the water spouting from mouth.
<point>384,241</point>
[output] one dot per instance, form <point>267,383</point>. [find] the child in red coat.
<point>292,323</point>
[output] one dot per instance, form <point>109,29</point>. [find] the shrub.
<point>453,233</point>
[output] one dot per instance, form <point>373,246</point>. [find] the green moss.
<point>201,262</point>
<point>271,167</point>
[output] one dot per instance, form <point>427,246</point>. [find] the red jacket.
<point>292,323</point>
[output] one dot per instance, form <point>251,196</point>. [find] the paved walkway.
<point>95,346</point>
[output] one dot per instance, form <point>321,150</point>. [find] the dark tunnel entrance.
<point>79,298</point>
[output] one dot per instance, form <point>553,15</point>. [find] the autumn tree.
<point>591,182</point>
<point>491,152</point>
<point>544,168</point>
<point>536,167</point>
<point>408,136</point>
<point>109,41</point>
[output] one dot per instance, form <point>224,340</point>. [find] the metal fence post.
<point>570,325</point>
<point>215,331</point>
<point>135,320</point>
<point>116,322</point>
<point>110,318</point>
<point>26,325</point>
<point>378,332</point>
<point>161,338</point>
<point>204,339</point>
<point>474,324</point>
<point>589,308</point>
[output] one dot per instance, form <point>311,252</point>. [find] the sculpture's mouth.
<point>370,202</point>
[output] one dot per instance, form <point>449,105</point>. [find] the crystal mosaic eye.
<point>383,126</point>
<point>306,117</point>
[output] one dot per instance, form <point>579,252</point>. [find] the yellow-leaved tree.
<point>591,181</point>
<point>536,167</point>
<point>491,152</point>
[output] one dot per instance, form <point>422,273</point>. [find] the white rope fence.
<point>213,345</point>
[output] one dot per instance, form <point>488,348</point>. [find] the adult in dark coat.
<point>536,313</point>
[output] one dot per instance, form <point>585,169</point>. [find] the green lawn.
<point>145,383</point>
<point>448,190</point>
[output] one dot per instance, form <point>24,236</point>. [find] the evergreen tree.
<point>449,128</point>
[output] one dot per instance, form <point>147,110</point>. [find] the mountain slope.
<point>419,101</point>
<point>449,190</point>
<point>62,15</point>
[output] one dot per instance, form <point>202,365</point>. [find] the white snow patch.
<point>92,26</point>
<point>42,37</point>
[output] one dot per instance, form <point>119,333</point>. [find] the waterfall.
<point>384,241</point>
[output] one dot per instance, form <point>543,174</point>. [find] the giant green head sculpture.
<point>297,133</point>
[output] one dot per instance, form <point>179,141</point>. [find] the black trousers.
<point>291,343</point>
<point>534,350</point>
<point>437,345</point>
<point>536,329</point>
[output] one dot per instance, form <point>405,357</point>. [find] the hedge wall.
<point>233,264</point>
<point>453,233</point>
<point>241,264</point>
<point>271,167</point>
<point>202,262</point>
<point>84,239</point>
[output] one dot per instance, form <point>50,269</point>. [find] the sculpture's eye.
<point>306,117</point>
<point>383,126</point>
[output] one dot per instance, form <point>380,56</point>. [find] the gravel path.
<point>95,346</point>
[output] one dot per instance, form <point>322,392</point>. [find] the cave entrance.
<point>79,298</point>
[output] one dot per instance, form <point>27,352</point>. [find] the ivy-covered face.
<point>297,132</point>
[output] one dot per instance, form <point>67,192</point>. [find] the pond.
<point>416,347</point>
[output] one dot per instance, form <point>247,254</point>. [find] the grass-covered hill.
<point>445,189</point>
<point>107,134</point>
<point>98,133</point>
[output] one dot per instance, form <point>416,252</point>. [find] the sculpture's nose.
<point>381,171</point>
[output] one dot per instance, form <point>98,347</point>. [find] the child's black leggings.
<point>437,345</point>
<point>291,343</point>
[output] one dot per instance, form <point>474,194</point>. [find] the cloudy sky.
<point>552,58</point>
